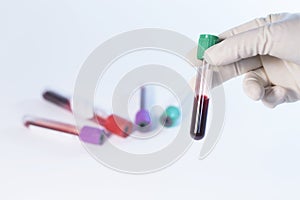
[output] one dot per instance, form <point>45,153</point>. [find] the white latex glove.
<point>268,51</point>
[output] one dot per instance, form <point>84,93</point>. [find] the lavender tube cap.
<point>92,135</point>
<point>142,118</point>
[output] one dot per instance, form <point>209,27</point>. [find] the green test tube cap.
<point>205,41</point>
<point>171,116</point>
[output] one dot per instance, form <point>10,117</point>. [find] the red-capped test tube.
<point>113,123</point>
<point>202,89</point>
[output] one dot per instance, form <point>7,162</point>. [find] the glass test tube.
<point>201,101</point>
<point>86,134</point>
<point>113,123</point>
<point>142,117</point>
<point>203,86</point>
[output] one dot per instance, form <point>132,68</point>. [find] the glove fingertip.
<point>269,105</point>
<point>253,89</point>
<point>274,97</point>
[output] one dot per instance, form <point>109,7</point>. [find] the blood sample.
<point>202,89</point>
<point>199,117</point>
<point>113,123</point>
<point>58,100</point>
<point>86,134</point>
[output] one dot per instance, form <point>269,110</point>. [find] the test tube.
<point>113,123</point>
<point>202,89</point>
<point>142,117</point>
<point>86,134</point>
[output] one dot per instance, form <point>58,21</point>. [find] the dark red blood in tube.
<point>199,117</point>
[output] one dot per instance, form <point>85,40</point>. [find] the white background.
<point>44,43</point>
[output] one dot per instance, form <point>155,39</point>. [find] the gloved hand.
<point>267,50</point>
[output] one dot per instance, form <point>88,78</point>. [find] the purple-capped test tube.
<point>142,117</point>
<point>86,134</point>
